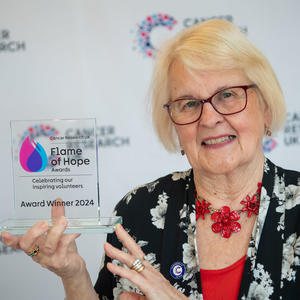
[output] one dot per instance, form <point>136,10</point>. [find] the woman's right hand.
<point>57,251</point>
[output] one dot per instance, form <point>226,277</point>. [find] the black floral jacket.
<point>160,216</point>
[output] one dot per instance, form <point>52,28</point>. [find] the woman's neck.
<point>230,188</point>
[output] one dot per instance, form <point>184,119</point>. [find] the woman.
<point>226,229</point>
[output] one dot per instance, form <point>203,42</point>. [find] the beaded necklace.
<point>225,221</point>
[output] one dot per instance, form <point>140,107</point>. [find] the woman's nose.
<point>209,116</point>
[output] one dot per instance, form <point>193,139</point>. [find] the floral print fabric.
<point>161,217</point>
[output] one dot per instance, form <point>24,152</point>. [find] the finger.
<point>57,209</point>
<point>121,256</point>
<point>127,259</point>
<point>67,241</point>
<point>10,240</point>
<point>55,235</point>
<point>65,244</point>
<point>129,274</point>
<point>128,242</point>
<point>132,296</point>
<point>29,239</point>
<point>144,284</point>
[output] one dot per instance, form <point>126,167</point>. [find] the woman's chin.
<point>218,166</point>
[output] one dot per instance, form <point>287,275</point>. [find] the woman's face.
<point>241,133</point>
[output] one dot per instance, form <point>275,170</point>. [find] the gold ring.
<point>33,252</point>
<point>140,269</point>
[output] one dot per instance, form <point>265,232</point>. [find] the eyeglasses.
<point>229,101</point>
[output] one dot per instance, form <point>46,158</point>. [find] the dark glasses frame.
<point>208,100</point>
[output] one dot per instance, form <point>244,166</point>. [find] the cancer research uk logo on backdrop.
<point>291,133</point>
<point>33,157</point>
<point>9,45</point>
<point>292,129</point>
<point>147,28</point>
<point>269,145</point>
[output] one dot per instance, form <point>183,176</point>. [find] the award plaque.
<point>55,170</point>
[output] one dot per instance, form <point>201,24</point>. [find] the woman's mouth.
<point>219,140</point>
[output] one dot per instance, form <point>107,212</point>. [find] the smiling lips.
<point>217,141</point>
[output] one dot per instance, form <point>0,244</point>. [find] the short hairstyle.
<point>211,46</point>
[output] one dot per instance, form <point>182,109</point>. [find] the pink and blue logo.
<point>33,157</point>
<point>145,28</point>
<point>269,145</point>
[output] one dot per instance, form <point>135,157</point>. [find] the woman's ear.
<point>267,117</point>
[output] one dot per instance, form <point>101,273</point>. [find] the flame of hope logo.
<point>33,157</point>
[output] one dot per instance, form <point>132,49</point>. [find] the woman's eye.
<point>226,94</point>
<point>190,104</point>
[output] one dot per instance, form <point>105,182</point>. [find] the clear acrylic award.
<point>55,167</point>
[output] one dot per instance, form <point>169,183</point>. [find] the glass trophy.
<point>55,171</point>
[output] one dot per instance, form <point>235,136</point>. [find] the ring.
<point>138,266</point>
<point>33,252</point>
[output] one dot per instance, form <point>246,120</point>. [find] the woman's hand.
<point>57,251</point>
<point>151,282</point>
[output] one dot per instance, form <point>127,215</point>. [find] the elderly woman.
<point>229,227</point>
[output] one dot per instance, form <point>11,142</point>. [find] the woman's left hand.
<point>151,282</point>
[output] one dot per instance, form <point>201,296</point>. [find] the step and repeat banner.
<point>93,58</point>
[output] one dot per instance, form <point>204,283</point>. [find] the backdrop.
<point>89,58</point>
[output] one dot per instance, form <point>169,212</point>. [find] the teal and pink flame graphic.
<point>33,157</point>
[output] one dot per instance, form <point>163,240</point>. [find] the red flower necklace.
<point>225,221</point>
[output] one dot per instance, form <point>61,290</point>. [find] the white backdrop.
<point>75,59</point>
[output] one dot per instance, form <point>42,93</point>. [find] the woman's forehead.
<point>183,82</point>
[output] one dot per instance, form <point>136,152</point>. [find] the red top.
<point>222,284</point>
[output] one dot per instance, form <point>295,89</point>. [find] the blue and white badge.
<point>177,270</point>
